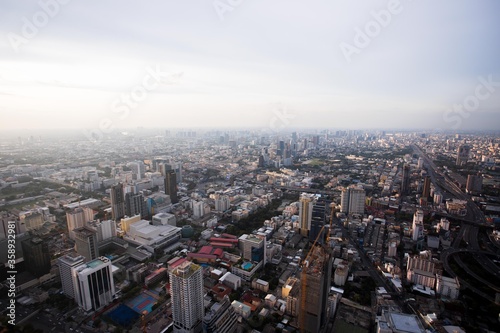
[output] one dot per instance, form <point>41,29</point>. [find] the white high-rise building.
<point>418,225</point>
<point>66,264</point>
<point>104,229</point>
<point>222,203</point>
<point>186,288</point>
<point>94,285</point>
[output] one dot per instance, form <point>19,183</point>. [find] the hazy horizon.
<point>275,66</point>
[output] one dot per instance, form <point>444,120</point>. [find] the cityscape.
<point>245,166</point>
<point>240,231</point>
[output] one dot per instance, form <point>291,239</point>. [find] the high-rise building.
<point>135,205</point>
<point>474,184</point>
<point>86,243</point>
<point>186,288</point>
<point>220,318</point>
<point>66,264</point>
<point>78,218</point>
<point>222,203</point>
<point>104,229</point>
<point>31,220</point>
<point>418,225</point>
<point>252,247</point>
<point>426,190</point>
<point>315,287</point>
<point>420,163</point>
<point>171,186</point>
<point>36,256</point>
<point>138,169</point>
<point>305,213</point>
<point>10,221</point>
<point>117,202</point>
<point>405,181</point>
<point>352,201</point>
<point>94,284</point>
<point>318,220</point>
<point>463,152</point>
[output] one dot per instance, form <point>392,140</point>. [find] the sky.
<point>267,64</point>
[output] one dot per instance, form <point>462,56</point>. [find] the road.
<point>469,232</point>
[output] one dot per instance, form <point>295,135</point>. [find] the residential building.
<point>117,202</point>
<point>186,288</point>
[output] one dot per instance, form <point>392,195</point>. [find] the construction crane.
<point>305,265</point>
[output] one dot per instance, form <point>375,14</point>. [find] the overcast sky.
<point>259,63</point>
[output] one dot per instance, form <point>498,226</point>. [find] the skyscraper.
<point>462,154</point>
<point>36,256</point>
<point>117,202</point>
<point>426,190</point>
<point>86,243</point>
<point>405,181</point>
<point>66,264</point>
<point>315,286</point>
<point>135,205</point>
<point>94,284</point>
<point>352,201</point>
<point>474,184</point>
<point>305,213</point>
<point>186,288</point>
<point>418,225</point>
<point>220,317</point>
<point>171,186</point>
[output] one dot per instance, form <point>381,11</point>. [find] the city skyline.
<point>280,65</point>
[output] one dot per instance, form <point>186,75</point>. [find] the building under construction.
<point>315,286</point>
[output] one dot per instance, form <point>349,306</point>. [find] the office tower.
<point>78,218</point>
<point>405,181</point>
<point>252,247</point>
<point>138,169</point>
<point>317,221</point>
<point>315,286</point>
<point>66,264</point>
<point>135,205</point>
<point>94,284</point>
<point>171,186</point>
<point>117,202</point>
<point>352,200</point>
<point>36,256</point>
<point>418,225</point>
<point>220,317</point>
<point>86,243</point>
<point>172,166</point>
<point>462,154</point>
<point>474,184</point>
<point>305,213</point>
<point>186,288</point>
<point>426,190</point>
